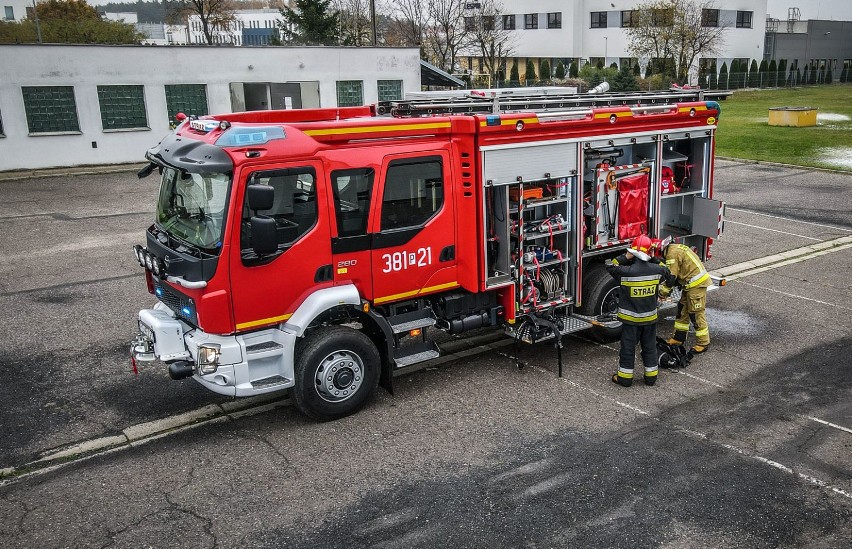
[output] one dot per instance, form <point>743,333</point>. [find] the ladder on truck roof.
<point>508,102</point>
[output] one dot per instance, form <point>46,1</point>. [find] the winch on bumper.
<point>242,365</point>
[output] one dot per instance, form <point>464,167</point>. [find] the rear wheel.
<point>600,297</point>
<point>337,368</point>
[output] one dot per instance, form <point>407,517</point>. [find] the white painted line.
<point>789,294</point>
<point>701,379</point>
<point>773,230</point>
<point>790,219</point>
<point>824,422</point>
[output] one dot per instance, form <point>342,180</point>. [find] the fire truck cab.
<point>317,250</point>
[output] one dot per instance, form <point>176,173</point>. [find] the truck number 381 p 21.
<point>401,261</point>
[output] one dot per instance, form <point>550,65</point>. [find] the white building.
<point>592,30</point>
<point>250,28</point>
<point>68,105</point>
<point>14,10</point>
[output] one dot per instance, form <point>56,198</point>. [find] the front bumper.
<point>250,364</point>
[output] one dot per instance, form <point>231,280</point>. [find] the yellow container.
<point>792,116</point>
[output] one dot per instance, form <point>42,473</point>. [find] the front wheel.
<point>337,368</point>
<point>600,297</point>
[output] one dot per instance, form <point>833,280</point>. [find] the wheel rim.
<point>609,303</point>
<point>339,376</point>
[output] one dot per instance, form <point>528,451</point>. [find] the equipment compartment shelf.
<point>533,236</point>
<point>545,263</point>
<point>682,193</point>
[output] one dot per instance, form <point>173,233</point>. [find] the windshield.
<point>191,207</point>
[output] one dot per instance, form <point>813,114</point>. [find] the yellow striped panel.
<point>261,322</point>
<point>376,129</point>
<point>512,121</point>
<point>403,295</point>
<point>617,114</point>
<point>697,108</point>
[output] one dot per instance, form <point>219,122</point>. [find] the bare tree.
<point>675,32</point>
<point>444,34</point>
<point>407,22</point>
<point>354,15</point>
<point>488,40</point>
<point>214,14</point>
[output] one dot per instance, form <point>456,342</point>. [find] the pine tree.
<point>753,75</point>
<point>723,77</point>
<point>514,76</point>
<point>315,22</point>
<point>829,78</point>
<point>772,74</point>
<point>764,67</point>
<point>545,70</point>
<point>529,73</point>
<point>624,80</point>
<point>713,83</point>
<point>844,74</point>
<point>560,70</point>
<point>574,69</point>
<point>637,70</point>
<point>782,73</point>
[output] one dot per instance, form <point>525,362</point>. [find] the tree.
<point>514,76</point>
<point>713,82</point>
<point>444,35</point>
<point>753,75</point>
<point>560,70</point>
<point>69,21</point>
<point>762,73</point>
<point>355,25</point>
<point>488,40</point>
<point>529,73</point>
<point>213,14</point>
<point>624,80</point>
<point>545,70</point>
<point>573,70</point>
<point>829,78</point>
<point>772,74</point>
<point>844,74</point>
<point>310,23</point>
<point>407,24</point>
<point>723,77</point>
<point>673,29</point>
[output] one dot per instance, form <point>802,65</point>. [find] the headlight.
<point>208,358</point>
<point>149,262</point>
<point>140,257</point>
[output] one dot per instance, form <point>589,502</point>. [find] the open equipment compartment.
<point>613,214</point>
<point>686,214</point>
<point>530,229</point>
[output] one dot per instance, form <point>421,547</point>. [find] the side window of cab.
<point>413,193</point>
<point>294,209</point>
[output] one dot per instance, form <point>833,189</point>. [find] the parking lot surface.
<point>751,445</point>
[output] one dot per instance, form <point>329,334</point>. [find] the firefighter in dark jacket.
<point>689,273</point>
<point>639,278</point>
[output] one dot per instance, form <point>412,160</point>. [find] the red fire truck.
<point>320,250</point>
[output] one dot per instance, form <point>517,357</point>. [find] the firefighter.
<point>639,279</point>
<point>689,273</point>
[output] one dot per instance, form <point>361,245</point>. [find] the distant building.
<point>15,10</point>
<point>249,28</point>
<point>67,105</point>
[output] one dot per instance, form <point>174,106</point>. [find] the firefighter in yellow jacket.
<point>687,268</point>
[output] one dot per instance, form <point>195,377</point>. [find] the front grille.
<point>183,306</point>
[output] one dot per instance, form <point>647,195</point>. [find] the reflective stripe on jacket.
<point>639,281</point>
<point>686,266</point>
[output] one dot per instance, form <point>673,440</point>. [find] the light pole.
<point>606,50</point>
<point>38,25</point>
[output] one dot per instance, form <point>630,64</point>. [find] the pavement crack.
<point>208,522</point>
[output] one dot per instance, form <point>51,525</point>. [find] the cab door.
<point>414,233</point>
<point>267,289</point>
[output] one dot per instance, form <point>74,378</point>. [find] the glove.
<point>665,291</point>
<point>608,262</point>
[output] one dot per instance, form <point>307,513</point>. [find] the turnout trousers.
<point>690,308</point>
<point>644,334</point>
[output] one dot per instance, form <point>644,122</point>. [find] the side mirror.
<point>264,235</point>
<point>260,197</point>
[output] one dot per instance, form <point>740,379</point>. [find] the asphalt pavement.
<point>750,446</point>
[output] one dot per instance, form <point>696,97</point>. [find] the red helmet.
<point>641,247</point>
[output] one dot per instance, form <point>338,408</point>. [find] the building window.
<point>509,22</point>
<point>50,109</point>
<point>709,18</point>
<point>488,22</point>
<point>350,93</point>
<point>531,21</point>
<point>10,12</point>
<point>554,20</point>
<point>390,90</point>
<point>662,17</point>
<point>469,23</point>
<point>598,19</point>
<point>744,19</point>
<point>629,18</point>
<point>190,99</point>
<point>122,107</point>
<point>414,192</point>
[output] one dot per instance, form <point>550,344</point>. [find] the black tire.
<point>337,369</point>
<point>600,296</point>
